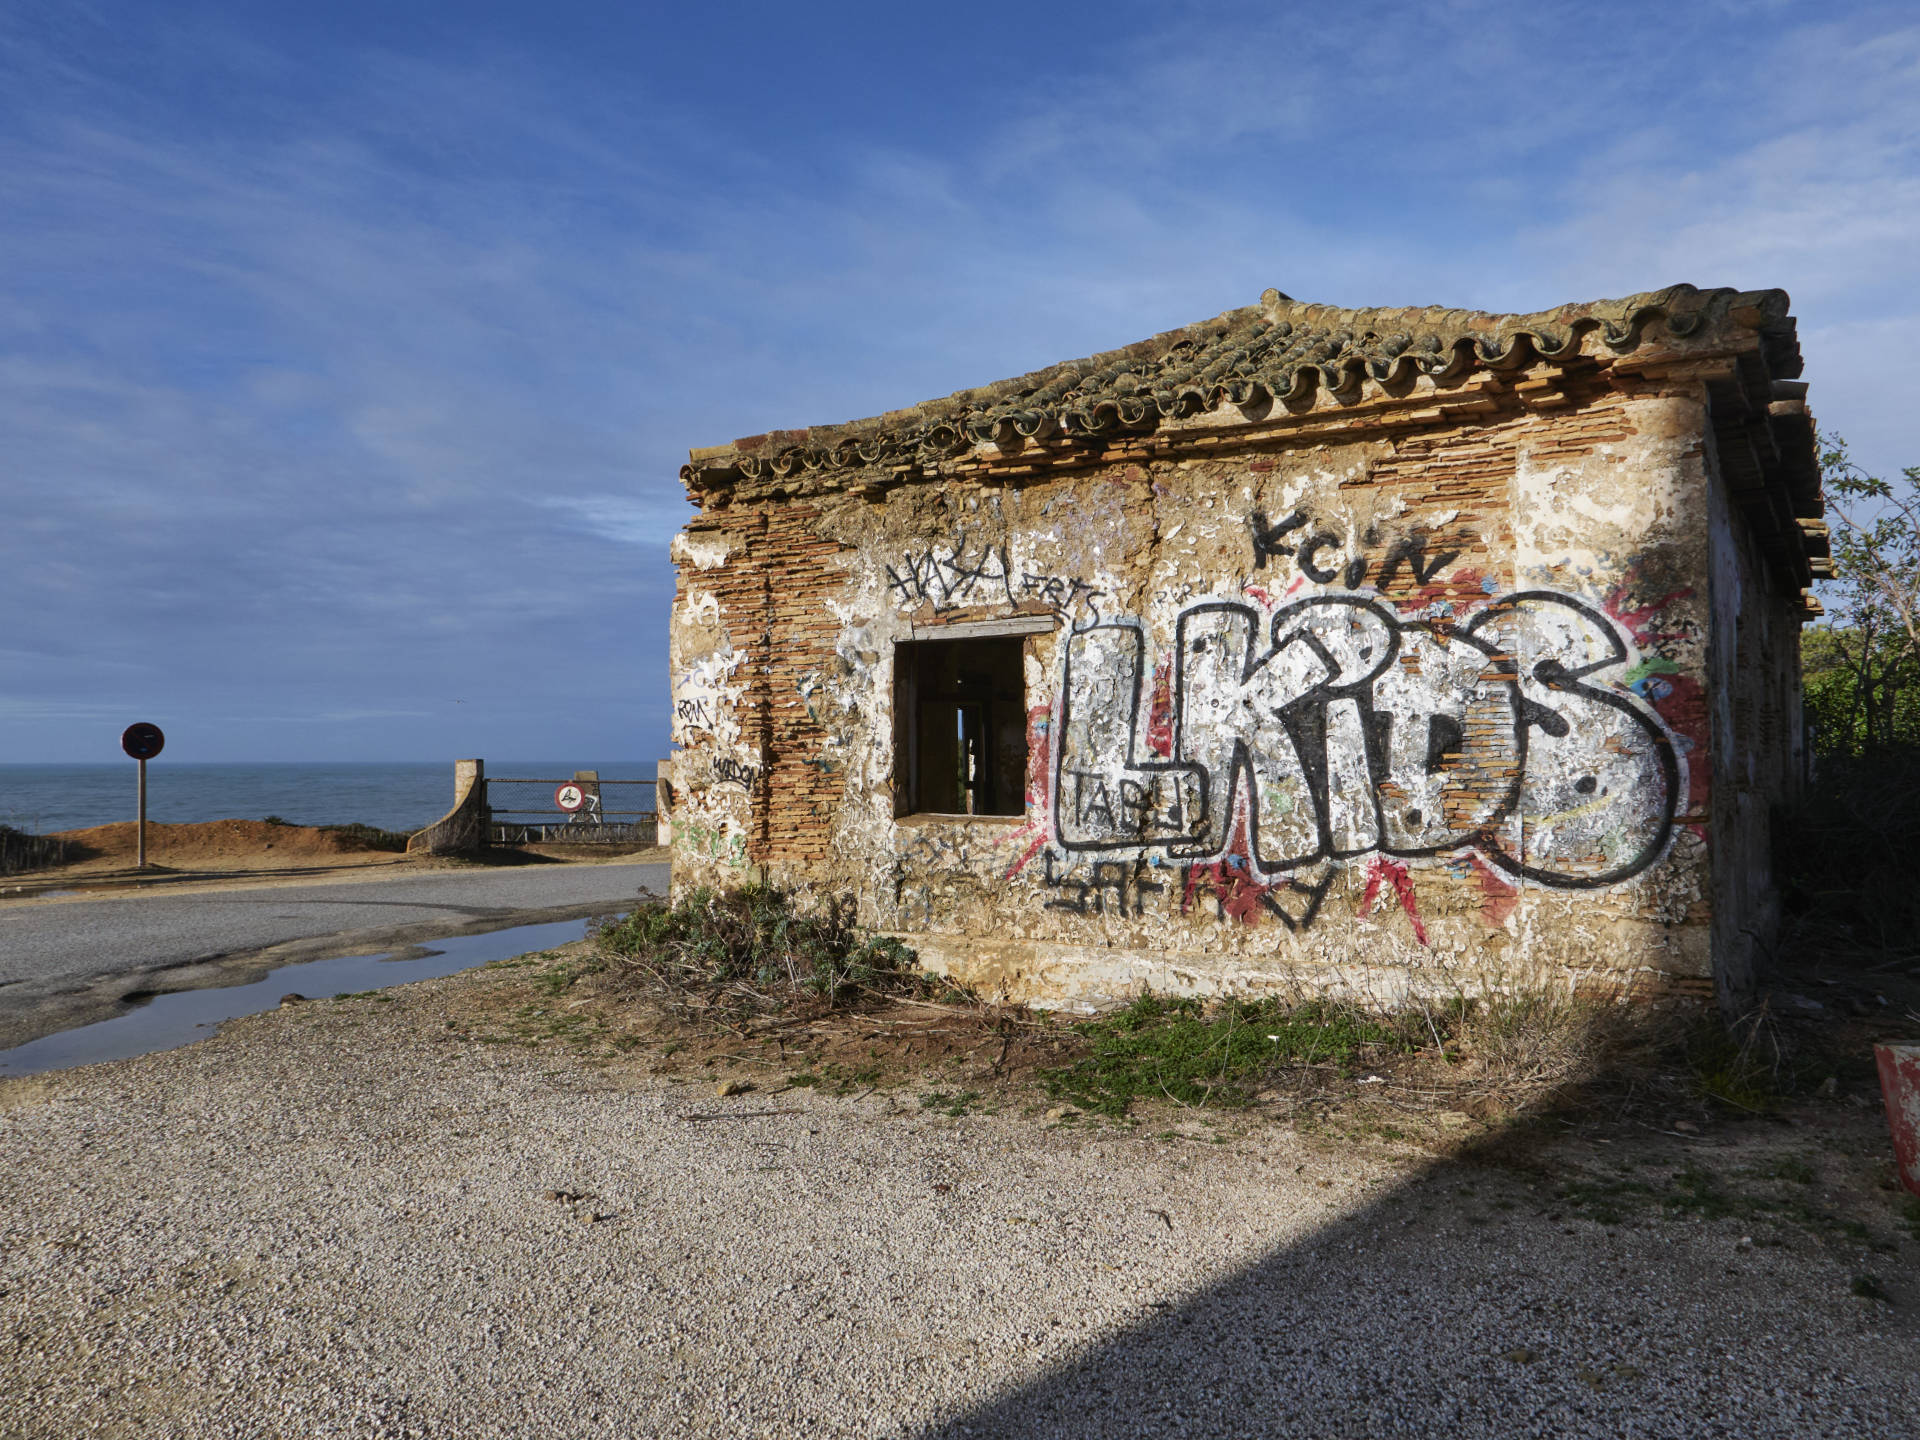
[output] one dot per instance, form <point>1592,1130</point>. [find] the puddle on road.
<point>181,1017</point>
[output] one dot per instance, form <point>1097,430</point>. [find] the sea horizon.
<point>44,797</point>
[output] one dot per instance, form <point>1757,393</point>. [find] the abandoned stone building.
<point>1387,651</point>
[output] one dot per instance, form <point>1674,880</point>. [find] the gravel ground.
<point>338,1220</point>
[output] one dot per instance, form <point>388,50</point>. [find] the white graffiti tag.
<point>1354,731</point>
<point>704,697</point>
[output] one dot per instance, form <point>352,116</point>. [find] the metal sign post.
<point>142,741</point>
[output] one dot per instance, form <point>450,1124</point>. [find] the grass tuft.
<point>1745,1064</point>
<point>951,1103</point>
<point>1159,1048</point>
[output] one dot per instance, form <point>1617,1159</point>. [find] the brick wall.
<point>1577,489</point>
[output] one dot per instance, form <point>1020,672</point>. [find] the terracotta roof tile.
<point>1280,351</point>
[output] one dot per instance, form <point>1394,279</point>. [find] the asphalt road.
<point>68,961</point>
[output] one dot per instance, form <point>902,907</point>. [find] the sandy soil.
<point>214,845</point>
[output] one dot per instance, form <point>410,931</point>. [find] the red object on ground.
<point>1900,1088</point>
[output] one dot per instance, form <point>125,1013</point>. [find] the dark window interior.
<point>961,727</point>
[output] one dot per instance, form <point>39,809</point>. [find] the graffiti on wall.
<point>706,717</point>
<point>1338,729</point>
<point>705,696</point>
<point>970,573</point>
<point>1085,886</point>
<point>1321,556</point>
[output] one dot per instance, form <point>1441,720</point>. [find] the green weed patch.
<point>1192,1054</point>
<point>951,1103</point>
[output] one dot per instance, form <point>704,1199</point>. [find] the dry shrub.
<point>1536,1047</point>
<point>1558,1054</point>
<point>753,951</point>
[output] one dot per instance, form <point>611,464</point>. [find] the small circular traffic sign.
<point>569,797</point>
<point>142,741</point>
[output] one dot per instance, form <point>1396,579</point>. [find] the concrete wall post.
<point>464,827</point>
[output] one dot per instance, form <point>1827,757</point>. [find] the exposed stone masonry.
<point>1401,679</point>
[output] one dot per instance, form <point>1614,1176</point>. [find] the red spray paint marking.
<point>1636,620</point>
<point>1679,700</point>
<point>1260,593</point>
<point>1684,707</point>
<point>1039,843</point>
<point>1502,896</point>
<point>1036,830</point>
<point>1381,870</point>
<point>1231,880</point>
<point>1039,749</point>
<point>1230,883</point>
<point>1160,717</point>
<point>1462,587</point>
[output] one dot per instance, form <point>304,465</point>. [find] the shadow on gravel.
<point>1605,1275</point>
<point>1659,1285</point>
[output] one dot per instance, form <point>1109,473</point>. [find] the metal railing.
<point>524,811</point>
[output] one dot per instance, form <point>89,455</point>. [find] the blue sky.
<point>349,353</point>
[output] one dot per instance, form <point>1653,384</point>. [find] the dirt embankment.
<point>217,845</point>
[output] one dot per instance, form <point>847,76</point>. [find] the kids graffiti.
<point>1356,731</point>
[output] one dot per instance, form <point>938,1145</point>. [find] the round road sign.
<point>142,741</point>
<point>569,797</point>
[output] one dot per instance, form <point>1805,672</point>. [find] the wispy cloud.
<point>353,379</point>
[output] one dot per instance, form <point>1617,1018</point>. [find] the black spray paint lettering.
<point>1322,557</point>
<point>1354,731</point>
<point>693,713</point>
<point>1057,592</point>
<point>1101,887</point>
<point>1412,552</point>
<point>951,577</point>
<point>1267,538</point>
<point>1130,803</point>
<point>727,770</point>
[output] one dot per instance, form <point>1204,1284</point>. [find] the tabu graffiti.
<point>1352,730</point>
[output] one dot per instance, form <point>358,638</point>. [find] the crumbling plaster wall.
<point>1420,713</point>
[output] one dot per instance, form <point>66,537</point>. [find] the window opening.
<point>960,712</point>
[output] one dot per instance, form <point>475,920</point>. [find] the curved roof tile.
<point>1281,350</point>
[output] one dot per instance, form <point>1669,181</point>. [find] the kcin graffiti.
<point>1281,538</point>
<point>1356,731</point>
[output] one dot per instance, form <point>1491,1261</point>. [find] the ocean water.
<point>399,795</point>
